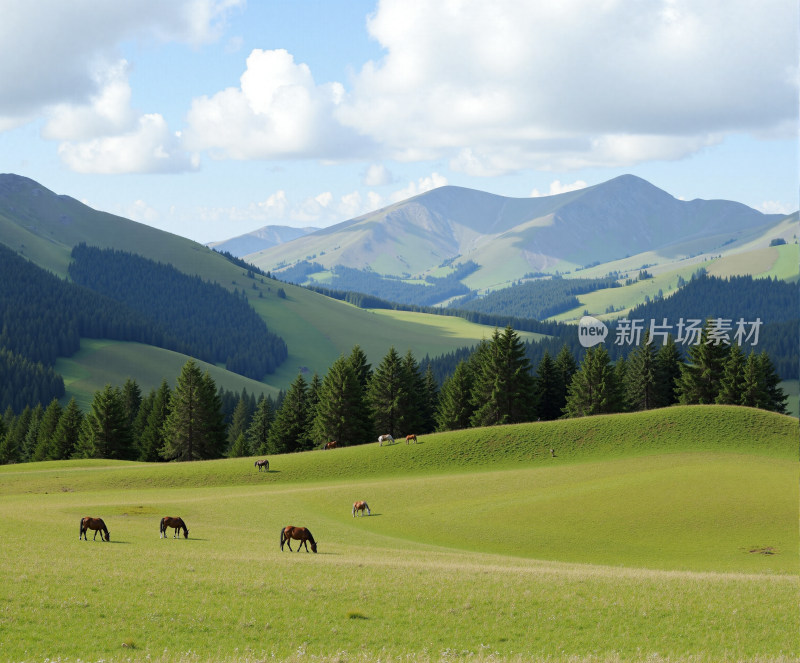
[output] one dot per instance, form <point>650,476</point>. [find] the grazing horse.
<point>332,445</point>
<point>262,465</point>
<point>97,525</point>
<point>411,437</point>
<point>360,506</point>
<point>176,524</point>
<point>300,534</point>
<point>385,438</point>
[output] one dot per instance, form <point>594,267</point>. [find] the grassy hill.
<point>44,227</point>
<point>669,535</point>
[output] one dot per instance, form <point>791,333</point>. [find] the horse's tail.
<point>161,526</point>
<point>283,538</point>
<point>80,529</point>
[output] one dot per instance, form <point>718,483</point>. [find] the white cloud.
<point>148,148</point>
<point>776,207</point>
<point>556,187</point>
<point>511,84</point>
<point>51,51</point>
<point>420,186</point>
<point>278,111</point>
<point>377,175</point>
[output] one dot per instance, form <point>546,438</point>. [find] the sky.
<point>212,118</point>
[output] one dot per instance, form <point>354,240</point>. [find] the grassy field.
<point>663,536</point>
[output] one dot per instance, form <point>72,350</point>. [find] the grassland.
<point>664,536</point>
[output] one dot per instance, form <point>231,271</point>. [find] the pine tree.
<point>47,427</point>
<point>361,367</point>
<point>240,420</point>
<point>340,401</point>
<point>105,432</point>
<point>754,393</point>
<point>504,387</point>
<point>548,389</point>
<point>667,373</point>
<point>566,367</point>
<point>430,400</point>
<point>11,448</point>
<point>65,438</point>
<point>31,434</point>
<point>700,378</point>
<point>240,447</point>
<point>312,401</point>
<point>593,388</point>
<point>775,396</point>
<point>413,405</point>
<point>386,394</point>
<point>290,430</point>
<point>258,432</point>
<point>194,428</point>
<point>151,439</point>
<point>641,384</point>
<point>131,400</point>
<point>732,381</point>
<point>455,400</point>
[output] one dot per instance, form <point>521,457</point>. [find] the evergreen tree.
<point>566,367</point>
<point>44,439</point>
<point>289,431</point>
<point>700,378</point>
<point>775,396</point>
<point>430,401</point>
<point>340,401</point>
<point>504,387</point>
<point>548,389</point>
<point>361,367</point>
<point>151,440</point>
<point>593,388</point>
<point>386,395</point>
<point>140,422</point>
<point>17,428</point>
<point>312,401</point>
<point>258,432</point>
<point>65,438</point>
<point>641,383</point>
<point>732,382</point>
<point>194,428</point>
<point>455,408</point>
<point>240,421</point>
<point>31,435</point>
<point>131,400</point>
<point>240,447</point>
<point>667,373</point>
<point>754,393</point>
<point>619,400</point>
<point>413,405</point>
<point>105,432</point>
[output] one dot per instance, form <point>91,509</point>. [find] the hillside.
<point>510,238</point>
<point>672,533</point>
<point>258,240</point>
<point>44,227</point>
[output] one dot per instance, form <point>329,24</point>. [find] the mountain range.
<point>513,238</point>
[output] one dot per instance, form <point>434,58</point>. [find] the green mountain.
<point>44,227</point>
<point>513,238</point>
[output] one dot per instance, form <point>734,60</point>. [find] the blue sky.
<point>211,118</point>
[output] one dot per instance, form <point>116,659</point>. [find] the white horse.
<point>385,438</point>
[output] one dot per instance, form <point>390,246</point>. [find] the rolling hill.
<point>511,238</point>
<point>668,535</point>
<point>44,227</point>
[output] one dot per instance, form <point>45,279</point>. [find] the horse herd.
<point>301,534</point>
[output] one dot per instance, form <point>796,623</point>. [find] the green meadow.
<point>670,535</point>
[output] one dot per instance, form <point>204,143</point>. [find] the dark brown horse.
<point>361,505</point>
<point>262,465</point>
<point>176,524</point>
<point>332,445</point>
<point>300,534</point>
<point>97,525</point>
<point>411,437</point>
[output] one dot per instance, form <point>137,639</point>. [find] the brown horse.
<point>332,445</point>
<point>411,437</point>
<point>300,534</point>
<point>385,438</point>
<point>361,505</point>
<point>262,465</point>
<point>97,525</point>
<point>176,524</point>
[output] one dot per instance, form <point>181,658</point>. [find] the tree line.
<point>496,384</point>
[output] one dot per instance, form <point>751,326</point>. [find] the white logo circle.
<point>591,331</point>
